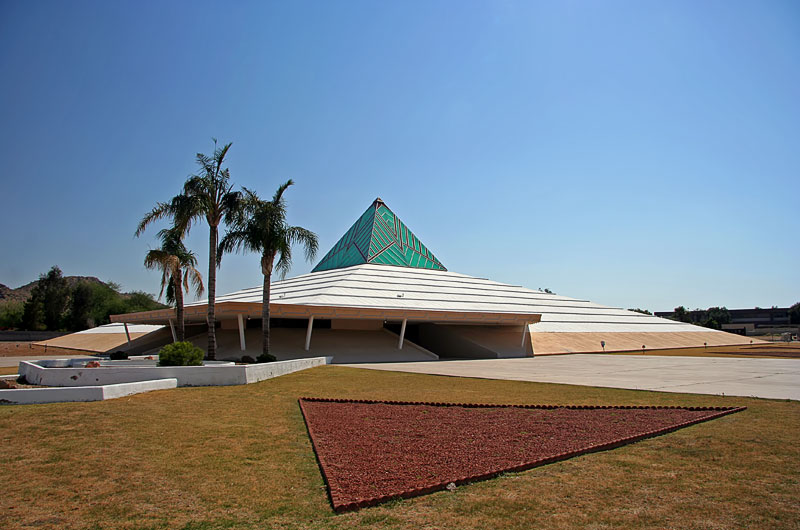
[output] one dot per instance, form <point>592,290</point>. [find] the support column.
<point>127,334</point>
<point>242,344</point>
<point>308,332</point>
<point>402,334</point>
<point>525,332</point>
<point>172,327</point>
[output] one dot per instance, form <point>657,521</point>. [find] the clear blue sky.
<point>632,153</point>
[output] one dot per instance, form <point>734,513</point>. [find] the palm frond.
<point>196,279</point>
<point>278,197</point>
<point>170,294</point>
<point>306,238</point>
<point>260,226</point>
<point>159,211</point>
<point>231,242</point>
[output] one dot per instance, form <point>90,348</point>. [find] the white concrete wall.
<point>26,396</point>
<point>260,372</point>
<point>109,374</point>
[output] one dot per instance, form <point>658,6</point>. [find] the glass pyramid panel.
<point>379,237</point>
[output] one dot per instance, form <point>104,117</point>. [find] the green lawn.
<point>239,457</point>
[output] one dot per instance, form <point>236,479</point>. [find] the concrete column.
<point>127,334</point>
<point>242,344</point>
<point>402,334</point>
<point>524,334</point>
<point>308,332</point>
<point>172,327</point>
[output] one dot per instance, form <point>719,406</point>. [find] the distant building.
<point>749,322</point>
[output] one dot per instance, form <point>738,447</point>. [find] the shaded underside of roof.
<point>381,238</point>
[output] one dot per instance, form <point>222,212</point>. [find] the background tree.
<point>260,226</point>
<point>208,195</point>
<point>72,303</point>
<point>642,311</point>
<point>48,302</point>
<point>715,317</point>
<point>794,314</point>
<point>680,314</point>
<point>11,312</point>
<point>80,307</point>
<point>177,266</point>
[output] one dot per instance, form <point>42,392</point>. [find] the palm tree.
<point>206,195</point>
<point>260,226</point>
<point>177,266</point>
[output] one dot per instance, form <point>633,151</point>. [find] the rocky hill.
<point>21,294</point>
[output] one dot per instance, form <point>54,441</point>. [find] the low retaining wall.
<point>26,396</point>
<point>259,372</point>
<point>64,373</point>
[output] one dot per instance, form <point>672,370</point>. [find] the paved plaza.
<point>764,378</point>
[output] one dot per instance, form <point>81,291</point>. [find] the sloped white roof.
<point>388,287</point>
<point>120,328</point>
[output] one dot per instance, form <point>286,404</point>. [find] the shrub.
<point>266,358</point>
<point>118,356</point>
<point>246,359</point>
<point>180,354</point>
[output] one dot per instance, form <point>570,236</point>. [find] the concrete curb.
<point>28,396</point>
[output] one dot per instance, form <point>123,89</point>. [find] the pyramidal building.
<point>381,238</point>
<point>380,294</point>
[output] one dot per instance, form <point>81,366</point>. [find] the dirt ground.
<point>21,349</point>
<point>783,350</point>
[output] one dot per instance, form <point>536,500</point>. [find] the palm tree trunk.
<point>212,291</point>
<point>265,317</point>
<point>181,333</point>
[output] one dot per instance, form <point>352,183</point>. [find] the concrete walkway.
<point>765,378</point>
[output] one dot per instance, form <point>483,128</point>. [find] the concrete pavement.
<point>764,378</point>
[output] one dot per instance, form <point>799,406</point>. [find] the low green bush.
<point>266,358</point>
<point>180,354</point>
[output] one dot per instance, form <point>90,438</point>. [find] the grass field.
<point>239,457</point>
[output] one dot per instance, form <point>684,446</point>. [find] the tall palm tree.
<point>177,266</point>
<point>260,226</point>
<point>209,195</point>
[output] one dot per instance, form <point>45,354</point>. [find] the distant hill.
<point>21,294</point>
<point>5,292</point>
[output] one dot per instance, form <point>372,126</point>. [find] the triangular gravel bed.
<point>374,451</point>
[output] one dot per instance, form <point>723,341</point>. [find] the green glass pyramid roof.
<point>379,237</point>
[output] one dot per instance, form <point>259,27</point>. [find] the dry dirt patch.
<point>24,349</point>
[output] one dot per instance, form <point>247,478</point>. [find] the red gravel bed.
<point>374,451</point>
